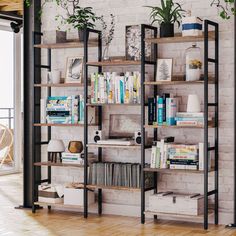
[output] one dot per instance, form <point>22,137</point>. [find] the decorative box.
<point>54,36</point>
<point>191,26</point>
<point>169,202</point>
<point>75,196</point>
<point>48,194</point>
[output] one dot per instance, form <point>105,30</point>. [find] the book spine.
<point>160,111</point>
<point>165,96</point>
<point>189,119</point>
<point>183,162</point>
<point>171,111</point>
<point>183,167</point>
<point>189,115</point>
<point>122,89</point>
<point>127,95</point>
<point>151,110</point>
<point>153,157</point>
<point>188,123</point>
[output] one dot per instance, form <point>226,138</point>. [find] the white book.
<point>153,157</point>
<point>201,157</point>
<point>165,157</point>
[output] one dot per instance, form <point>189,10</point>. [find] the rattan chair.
<point>6,145</point>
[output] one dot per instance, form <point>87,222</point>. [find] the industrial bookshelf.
<point>38,85</point>
<point>206,37</point>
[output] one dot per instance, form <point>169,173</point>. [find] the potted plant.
<point>166,16</point>
<point>226,8</point>
<point>79,18</point>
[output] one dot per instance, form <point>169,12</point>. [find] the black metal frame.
<point>36,179</point>
<point>86,101</point>
<point>143,147</point>
<point>30,25</point>
<point>207,149</point>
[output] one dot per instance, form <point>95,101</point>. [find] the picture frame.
<point>74,70</point>
<point>123,125</point>
<point>164,69</point>
<point>133,43</point>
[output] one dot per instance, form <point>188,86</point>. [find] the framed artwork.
<point>123,125</point>
<point>164,69</point>
<point>133,43</point>
<point>74,70</point>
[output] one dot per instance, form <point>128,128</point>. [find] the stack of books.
<point>183,156</point>
<point>65,110</point>
<point>117,174</point>
<point>75,158</point>
<point>110,88</point>
<point>190,119</point>
<point>178,156</point>
<point>162,110</point>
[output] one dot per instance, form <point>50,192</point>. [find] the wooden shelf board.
<point>93,145</point>
<point>180,39</point>
<point>177,82</point>
<point>174,171</point>
<point>113,188</point>
<point>111,104</point>
<point>58,164</point>
<point>115,63</point>
<point>179,126</point>
<point>61,205</point>
<point>170,215</point>
<point>62,85</point>
<point>73,44</point>
<point>62,125</point>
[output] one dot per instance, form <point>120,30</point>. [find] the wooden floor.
<point>23,222</point>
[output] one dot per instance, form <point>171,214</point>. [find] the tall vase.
<point>106,56</point>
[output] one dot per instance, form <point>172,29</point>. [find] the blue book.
<point>160,110</point>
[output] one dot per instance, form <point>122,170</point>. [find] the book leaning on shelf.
<point>178,156</point>
<point>111,88</point>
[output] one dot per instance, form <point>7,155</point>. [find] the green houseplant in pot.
<point>166,15</point>
<point>81,19</point>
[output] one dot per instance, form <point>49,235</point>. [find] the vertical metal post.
<point>216,122</point>
<point>85,123</point>
<point>49,94</point>
<point>100,121</point>
<point>155,95</point>
<point>206,124</point>
<point>142,123</point>
<point>30,25</point>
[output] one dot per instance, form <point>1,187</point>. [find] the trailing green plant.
<point>169,12</point>
<point>226,8</point>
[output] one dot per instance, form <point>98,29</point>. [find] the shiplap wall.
<point>130,12</point>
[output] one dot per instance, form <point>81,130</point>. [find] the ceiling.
<point>12,6</point>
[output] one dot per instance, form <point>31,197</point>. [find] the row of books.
<point>178,156</point>
<point>162,110</point>
<point>118,174</point>
<point>76,158</point>
<point>110,88</point>
<point>63,110</point>
<point>190,119</point>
